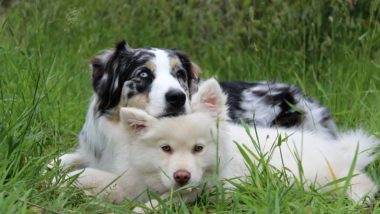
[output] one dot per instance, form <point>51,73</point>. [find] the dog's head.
<point>159,81</point>
<point>179,150</point>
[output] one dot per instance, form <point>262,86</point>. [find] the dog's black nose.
<point>175,98</point>
<point>182,177</point>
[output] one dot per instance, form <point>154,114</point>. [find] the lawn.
<point>330,49</point>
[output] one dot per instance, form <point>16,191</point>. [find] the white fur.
<point>314,152</point>
<point>139,163</point>
<point>323,159</point>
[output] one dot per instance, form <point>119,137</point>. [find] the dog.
<point>161,82</point>
<point>183,154</point>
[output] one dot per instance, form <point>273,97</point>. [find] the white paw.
<point>362,187</point>
<point>71,161</point>
<point>149,206</point>
<point>139,210</point>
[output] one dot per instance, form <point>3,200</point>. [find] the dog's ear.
<point>195,72</point>
<point>210,98</point>
<point>136,121</point>
<point>192,69</point>
<point>100,77</point>
<point>104,76</point>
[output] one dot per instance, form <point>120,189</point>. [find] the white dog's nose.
<point>182,177</point>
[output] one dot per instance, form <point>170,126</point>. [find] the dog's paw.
<point>66,162</point>
<point>362,189</point>
<point>139,210</point>
<point>148,207</point>
<point>72,161</point>
<point>62,165</point>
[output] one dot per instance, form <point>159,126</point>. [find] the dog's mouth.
<point>172,114</point>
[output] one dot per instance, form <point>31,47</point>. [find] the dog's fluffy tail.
<point>367,144</point>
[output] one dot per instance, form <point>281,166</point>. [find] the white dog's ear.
<point>210,98</point>
<point>136,120</point>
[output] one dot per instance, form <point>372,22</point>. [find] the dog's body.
<point>189,150</point>
<point>270,104</point>
<point>161,82</point>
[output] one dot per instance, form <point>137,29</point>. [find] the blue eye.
<point>144,73</point>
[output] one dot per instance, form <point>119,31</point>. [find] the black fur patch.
<point>288,116</point>
<point>282,105</point>
<point>234,91</point>
<point>109,77</point>
<point>281,97</point>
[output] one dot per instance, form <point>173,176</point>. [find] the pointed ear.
<point>122,46</point>
<point>136,120</point>
<point>210,98</point>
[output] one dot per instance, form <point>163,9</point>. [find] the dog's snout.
<point>175,98</point>
<point>182,177</point>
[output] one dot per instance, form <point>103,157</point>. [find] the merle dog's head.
<point>159,81</point>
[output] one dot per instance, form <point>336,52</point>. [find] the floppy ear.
<point>210,98</point>
<point>136,120</point>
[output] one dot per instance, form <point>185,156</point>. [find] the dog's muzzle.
<point>175,103</point>
<point>175,99</point>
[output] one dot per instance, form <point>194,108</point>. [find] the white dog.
<point>173,153</point>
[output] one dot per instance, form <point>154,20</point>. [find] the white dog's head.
<point>182,150</point>
<point>159,81</point>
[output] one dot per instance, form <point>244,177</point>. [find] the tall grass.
<point>331,49</point>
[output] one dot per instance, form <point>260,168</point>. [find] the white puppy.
<point>188,151</point>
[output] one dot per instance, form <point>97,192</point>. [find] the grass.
<point>331,49</point>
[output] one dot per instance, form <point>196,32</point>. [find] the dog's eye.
<point>166,148</point>
<point>181,74</point>
<point>197,148</point>
<point>144,73</point>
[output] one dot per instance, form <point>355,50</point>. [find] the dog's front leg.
<point>97,182</point>
<point>72,161</point>
<point>151,204</point>
<point>69,161</point>
<point>186,196</point>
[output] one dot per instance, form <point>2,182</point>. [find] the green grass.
<point>331,49</point>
